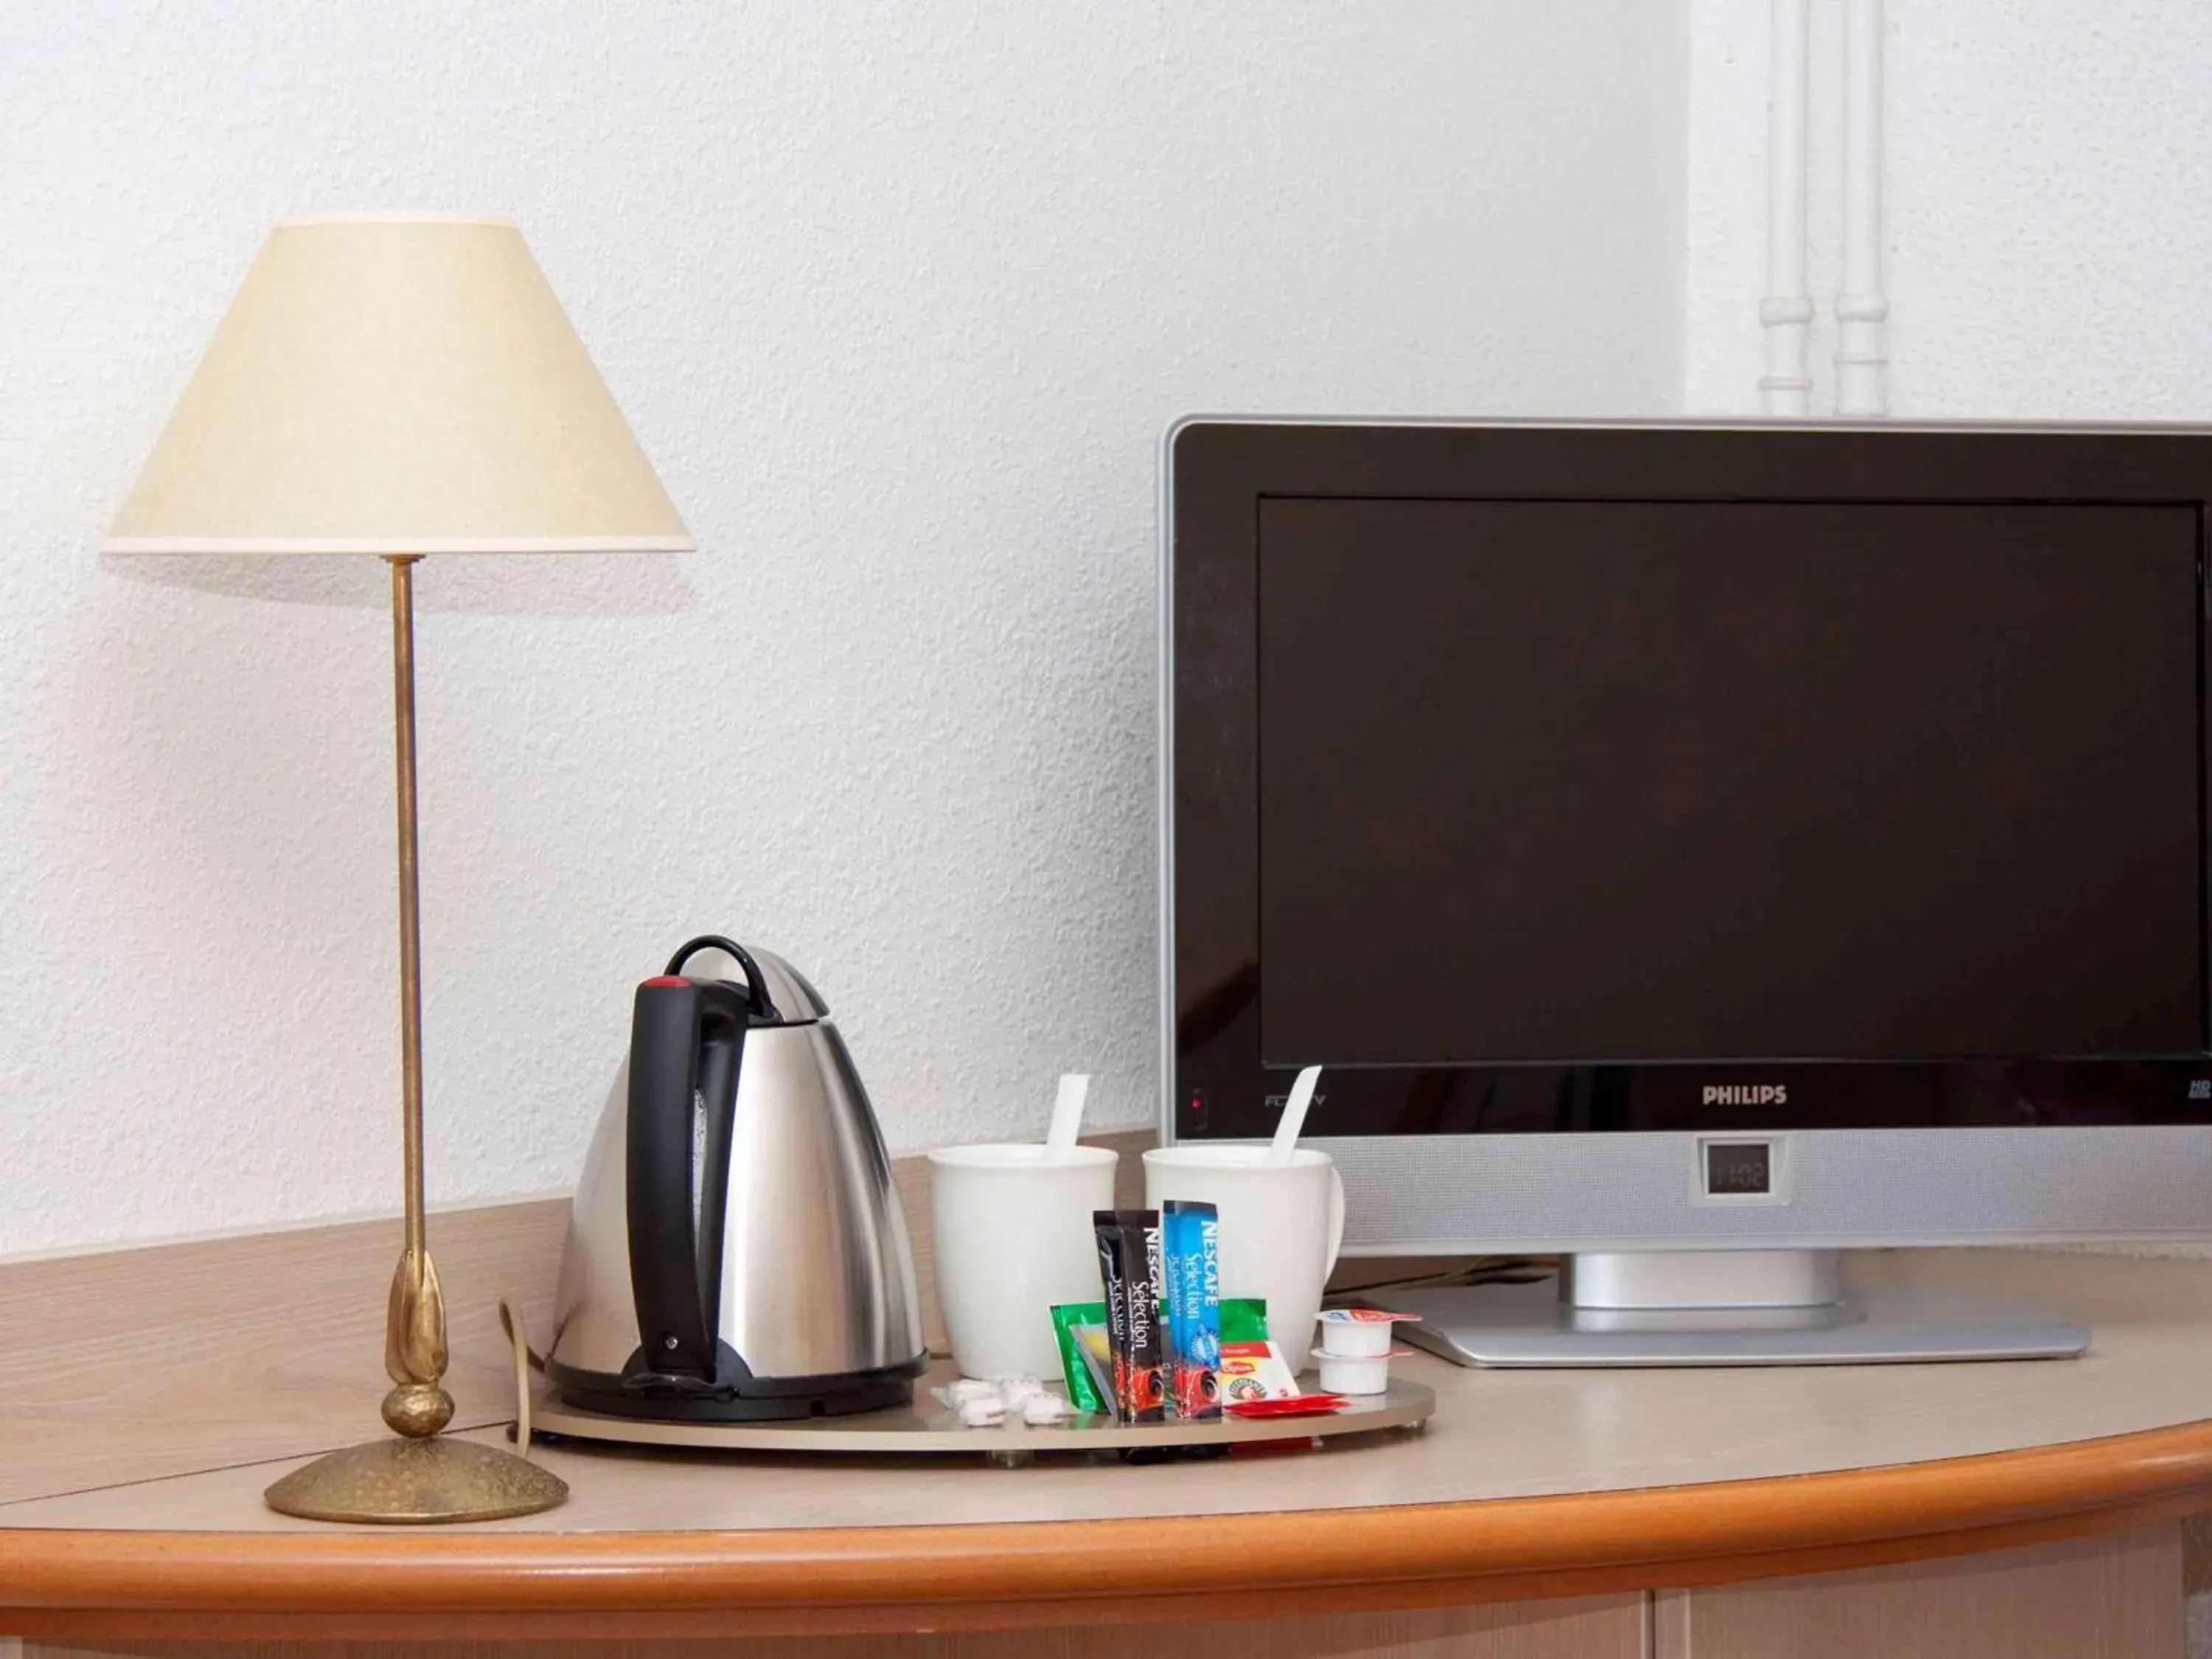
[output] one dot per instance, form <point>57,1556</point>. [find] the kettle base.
<point>813,1396</point>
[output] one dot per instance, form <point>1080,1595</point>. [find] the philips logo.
<point>1745,1094</point>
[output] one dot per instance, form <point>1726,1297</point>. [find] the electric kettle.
<point>736,1251</point>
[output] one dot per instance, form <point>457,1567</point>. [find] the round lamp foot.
<point>419,1482</point>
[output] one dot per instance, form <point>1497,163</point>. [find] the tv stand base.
<point>1717,1308</point>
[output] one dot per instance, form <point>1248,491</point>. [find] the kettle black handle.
<point>686,1041</point>
<point>756,981</point>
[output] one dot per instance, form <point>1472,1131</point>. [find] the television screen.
<point>1553,781</point>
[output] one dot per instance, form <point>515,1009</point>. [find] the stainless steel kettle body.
<point>737,1249</point>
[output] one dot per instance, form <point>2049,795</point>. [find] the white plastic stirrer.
<point>1067,1110</point>
<point>1294,1117</point>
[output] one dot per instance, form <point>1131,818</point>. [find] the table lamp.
<point>400,386</point>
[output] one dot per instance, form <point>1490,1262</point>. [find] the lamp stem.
<point>415,1321</point>
<point>410,901</point>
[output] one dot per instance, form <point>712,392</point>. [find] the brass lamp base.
<point>417,1482</point>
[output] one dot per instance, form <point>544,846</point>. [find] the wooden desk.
<point>2023,1509</point>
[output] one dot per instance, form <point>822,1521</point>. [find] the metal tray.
<point>927,1428</point>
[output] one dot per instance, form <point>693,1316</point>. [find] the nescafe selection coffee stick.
<point>1107,1231</point>
<point>1148,1370</point>
<point>1129,1263</point>
<point>1190,1232</point>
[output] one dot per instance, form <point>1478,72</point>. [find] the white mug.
<point>1014,1235</point>
<point>1280,1227</point>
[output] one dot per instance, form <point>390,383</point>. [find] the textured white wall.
<point>900,300</point>
<point>2048,169</point>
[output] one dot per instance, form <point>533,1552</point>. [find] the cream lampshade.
<point>400,386</point>
<point>387,384</point>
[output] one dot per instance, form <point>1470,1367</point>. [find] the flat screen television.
<point>1694,850</point>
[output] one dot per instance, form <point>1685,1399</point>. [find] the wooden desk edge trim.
<point>1090,1572</point>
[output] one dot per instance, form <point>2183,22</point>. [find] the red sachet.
<point>1298,1405</point>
